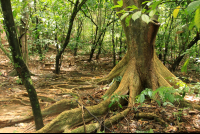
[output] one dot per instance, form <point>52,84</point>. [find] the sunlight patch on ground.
<point>192,98</point>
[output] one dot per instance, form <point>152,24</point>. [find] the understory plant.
<point>167,95</point>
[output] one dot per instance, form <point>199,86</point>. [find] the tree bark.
<point>23,33</point>
<point>19,64</point>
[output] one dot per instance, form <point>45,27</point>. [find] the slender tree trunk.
<point>167,44</point>
<point>23,33</point>
<point>120,46</point>
<point>77,7</point>
<point>79,30</point>
<point>37,34</point>
<point>113,43</point>
<point>100,46</point>
<point>19,64</point>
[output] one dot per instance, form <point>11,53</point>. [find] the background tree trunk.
<point>19,64</point>
<point>23,33</point>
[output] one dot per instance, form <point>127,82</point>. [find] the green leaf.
<point>150,93</point>
<point>119,105</point>
<point>127,20</point>
<point>151,131</point>
<point>165,103</point>
<point>120,2</point>
<point>145,18</point>
<point>158,102</point>
<point>121,11</point>
<point>175,12</point>
<point>110,104</point>
<point>133,7</point>
<point>115,6</point>
<point>170,97</point>
<point>141,98</point>
<point>124,15</point>
<point>197,18</point>
<point>193,6</point>
<point>191,25</point>
<point>154,5</point>
<point>136,15</point>
<point>145,2</point>
<point>184,67</point>
<point>152,12</point>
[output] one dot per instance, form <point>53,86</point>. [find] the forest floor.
<point>77,80</point>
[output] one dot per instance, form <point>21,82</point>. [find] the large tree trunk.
<point>140,68</point>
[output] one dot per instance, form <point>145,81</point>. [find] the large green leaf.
<point>152,12</point>
<point>145,18</point>
<point>141,98</point>
<point>136,15</point>
<point>120,2</point>
<point>170,97</point>
<point>193,6</point>
<point>124,15</point>
<point>197,18</point>
<point>184,67</point>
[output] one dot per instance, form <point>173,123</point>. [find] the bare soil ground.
<point>77,80</point>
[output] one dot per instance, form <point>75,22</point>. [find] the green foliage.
<point>115,98</point>
<point>120,4</point>
<point>124,15</point>
<point>150,131</point>
<point>136,15</point>
<point>166,95</point>
<point>118,78</point>
<point>193,6</point>
<point>184,67</point>
<point>197,17</point>
<point>101,132</point>
<point>19,81</point>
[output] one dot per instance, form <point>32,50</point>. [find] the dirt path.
<point>76,78</point>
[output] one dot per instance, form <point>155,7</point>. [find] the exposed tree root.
<point>150,116</point>
<point>56,108</point>
<point>95,126</point>
<point>69,119</point>
<point>131,83</point>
